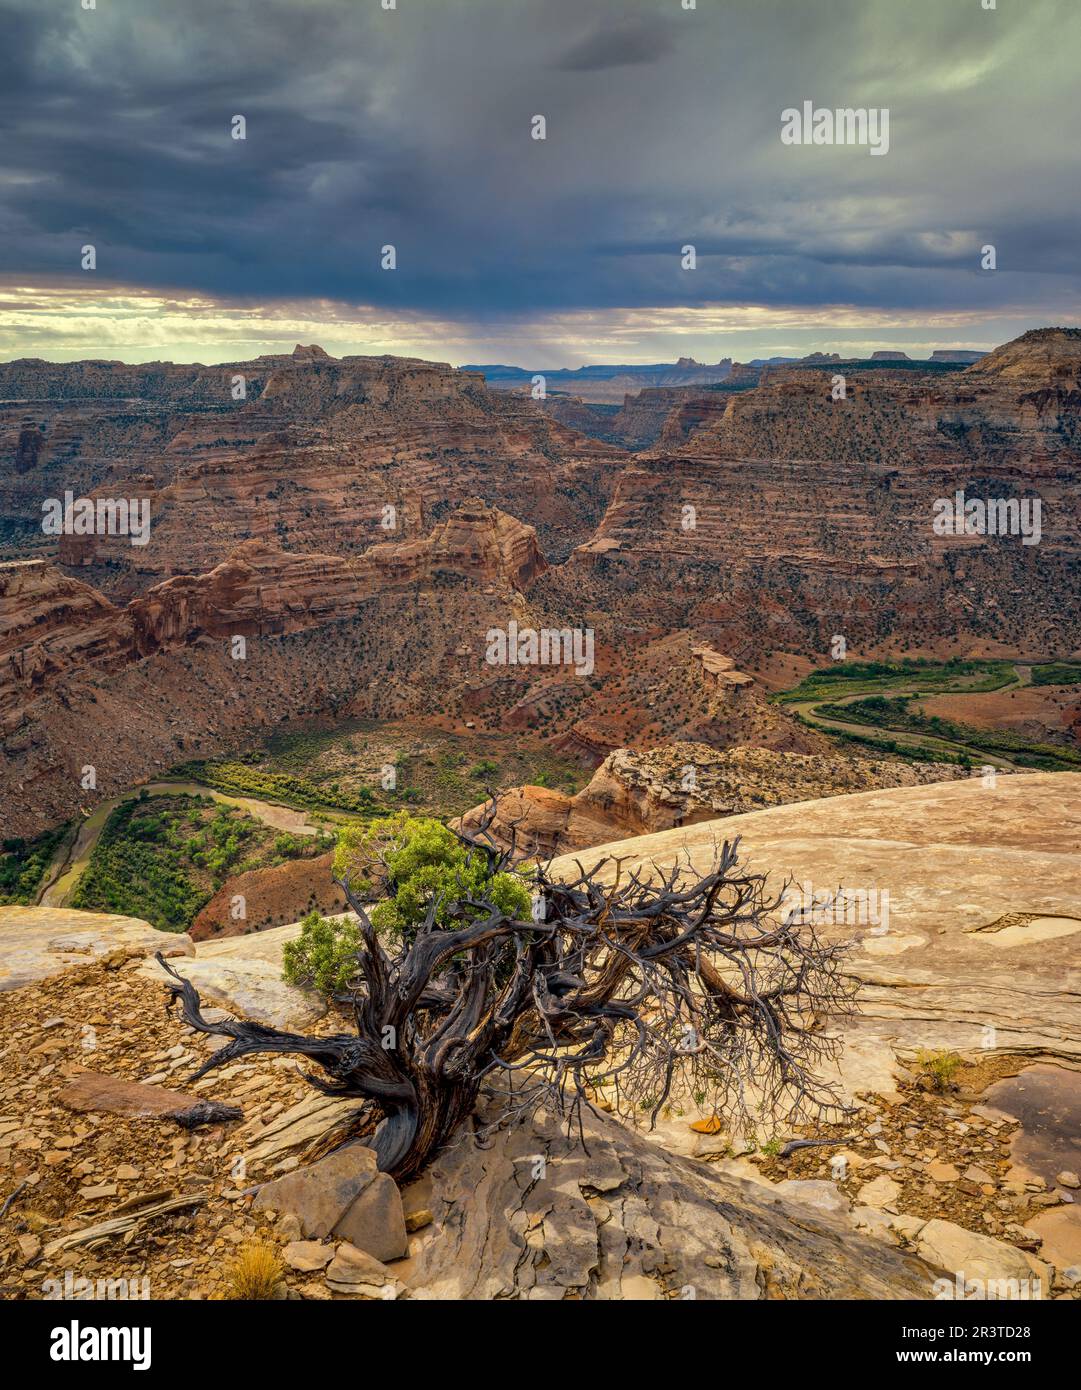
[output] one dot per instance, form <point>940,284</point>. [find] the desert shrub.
<point>323,956</point>
<point>417,863</point>
<point>255,1273</point>
<point>675,983</point>
<point>938,1068</point>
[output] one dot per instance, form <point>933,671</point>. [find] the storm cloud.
<point>412,127</point>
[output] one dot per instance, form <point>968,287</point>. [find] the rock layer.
<point>545,1219</point>
<point>972,873</point>
<point>634,793</point>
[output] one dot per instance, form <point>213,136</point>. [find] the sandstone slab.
<point>117,1095</point>
<point>664,1224</point>
<point>959,861</point>
<point>243,975</point>
<point>880,1192</point>
<point>972,1257</point>
<point>43,941</point>
<point>307,1256</point>
<point>813,1192</point>
<point>285,1142</point>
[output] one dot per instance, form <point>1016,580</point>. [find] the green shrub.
<point>938,1068</point>
<point>323,956</point>
<point>415,860</point>
<point>23,864</point>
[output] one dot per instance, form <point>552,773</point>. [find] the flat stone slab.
<point>307,1255</point>
<point>355,1273</point>
<point>37,942</point>
<point>243,975</point>
<point>95,1090</point>
<point>979,955</point>
<point>117,1095</point>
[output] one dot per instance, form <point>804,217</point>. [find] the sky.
<point>412,127</point>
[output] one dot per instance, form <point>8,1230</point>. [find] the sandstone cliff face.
<point>813,516</point>
<point>655,412</point>
<point>260,591</point>
<point>765,519</point>
<point>310,459</point>
<point>637,793</point>
<point>51,625</point>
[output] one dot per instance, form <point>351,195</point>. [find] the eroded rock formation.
<point>51,625</point>
<point>636,793</point>
<point>623,1219</point>
<point>788,515</point>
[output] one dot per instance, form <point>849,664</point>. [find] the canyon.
<point>360,524</point>
<point>334,550</point>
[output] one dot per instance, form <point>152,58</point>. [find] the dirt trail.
<point>71,858</point>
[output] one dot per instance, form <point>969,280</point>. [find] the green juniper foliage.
<point>323,956</point>
<point>412,861</point>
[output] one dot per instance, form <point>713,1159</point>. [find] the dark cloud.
<point>631,42</point>
<point>413,126</point>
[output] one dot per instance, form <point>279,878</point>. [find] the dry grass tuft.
<point>255,1273</point>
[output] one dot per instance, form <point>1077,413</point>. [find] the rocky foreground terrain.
<point>913,1187</point>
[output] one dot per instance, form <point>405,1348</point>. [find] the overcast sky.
<point>413,127</point>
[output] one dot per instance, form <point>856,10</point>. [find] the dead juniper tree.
<point>646,985</point>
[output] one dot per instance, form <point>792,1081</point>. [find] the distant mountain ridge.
<point>608,384</point>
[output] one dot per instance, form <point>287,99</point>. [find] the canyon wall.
<point>787,516</point>
<point>321,455</point>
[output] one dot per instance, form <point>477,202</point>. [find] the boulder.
<point>321,1194</point>
<point>346,1196</point>
<point>376,1222</point>
<point>970,1257</point>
